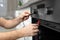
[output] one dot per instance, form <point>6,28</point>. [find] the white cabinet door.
<point>25,22</point>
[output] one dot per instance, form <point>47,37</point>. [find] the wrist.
<point>20,33</point>
<point>18,19</point>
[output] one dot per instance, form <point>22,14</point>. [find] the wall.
<point>11,7</point>
<point>3,7</point>
<point>7,10</point>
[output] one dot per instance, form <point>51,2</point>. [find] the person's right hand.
<point>30,30</point>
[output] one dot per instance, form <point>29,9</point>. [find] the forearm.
<point>10,35</point>
<point>10,23</point>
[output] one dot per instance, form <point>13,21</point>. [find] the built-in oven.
<point>48,12</point>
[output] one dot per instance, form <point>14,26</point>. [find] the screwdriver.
<point>37,15</point>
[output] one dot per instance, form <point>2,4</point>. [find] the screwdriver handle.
<point>38,22</point>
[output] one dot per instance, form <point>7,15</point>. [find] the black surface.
<point>46,33</point>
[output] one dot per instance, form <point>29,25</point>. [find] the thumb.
<point>27,13</point>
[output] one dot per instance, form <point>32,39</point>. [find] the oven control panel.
<point>51,25</point>
<point>49,12</point>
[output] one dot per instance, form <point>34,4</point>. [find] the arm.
<point>13,35</point>
<point>9,23</point>
<point>10,35</point>
<point>26,31</point>
<point>14,22</point>
<point>29,30</point>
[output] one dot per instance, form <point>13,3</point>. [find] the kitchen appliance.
<point>49,15</point>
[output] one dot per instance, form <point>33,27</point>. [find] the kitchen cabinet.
<point>21,25</point>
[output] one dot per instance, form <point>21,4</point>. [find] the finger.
<point>26,15</point>
<point>35,34</point>
<point>27,12</point>
<point>35,24</point>
<point>26,18</point>
<point>36,31</point>
<point>35,27</point>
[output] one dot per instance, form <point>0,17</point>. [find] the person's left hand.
<point>24,16</point>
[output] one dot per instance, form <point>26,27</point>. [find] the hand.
<point>24,16</point>
<point>30,30</point>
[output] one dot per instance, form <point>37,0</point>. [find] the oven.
<point>47,12</point>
